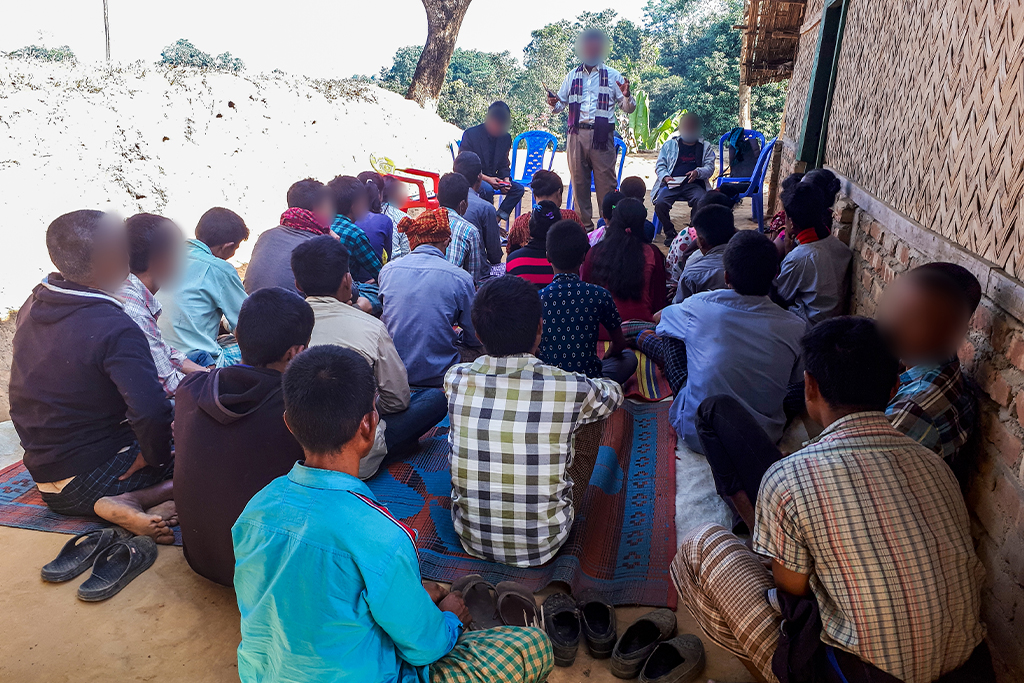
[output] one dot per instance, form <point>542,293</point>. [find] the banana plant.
<point>640,135</point>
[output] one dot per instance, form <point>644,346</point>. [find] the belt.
<point>585,126</point>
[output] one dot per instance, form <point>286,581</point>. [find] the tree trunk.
<point>106,28</point>
<point>744,94</point>
<point>444,19</point>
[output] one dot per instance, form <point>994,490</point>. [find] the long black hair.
<point>827,182</point>
<point>619,258</point>
<point>374,189</point>
<point>543,216</point>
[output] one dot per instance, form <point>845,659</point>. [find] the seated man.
<point>311,210</point>
<point>705,272</point>
<point>513,421</point>
<point>328,581</point>
<point>634,187</point>
<point>321,273</point>
<point>491,142</point>
<point>466,246</point>
<point>86,400</point>
<point>229,434</point>
<point>685,163</point>
<point>207,291</point>
<point>546,186</point>
<point>422,327</point>
<point>153,245</point>
<point>573,311</point>
<point>865,521</point>
<point>479,212</point>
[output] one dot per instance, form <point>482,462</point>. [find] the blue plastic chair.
<point>747,135</point>
<point>756,188</point>
<point>620,151</point>
<point>454,146</point>
<point>537,157</point>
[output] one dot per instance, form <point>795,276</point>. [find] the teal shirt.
<point>328,586</point>
<point>208,289</point>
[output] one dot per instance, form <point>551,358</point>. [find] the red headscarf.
<point>303,219</point>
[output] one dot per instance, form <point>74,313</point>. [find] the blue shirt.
<point>208,289</point>
<point>702,273</point>
<point>572,312</point>
<point>813,277</point>
<point>328,586</point>
<point>743,346</point>
<point>424,297</point>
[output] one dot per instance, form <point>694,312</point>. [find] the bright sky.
<point>323,38</point>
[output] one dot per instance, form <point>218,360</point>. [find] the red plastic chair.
<point>426,198</point>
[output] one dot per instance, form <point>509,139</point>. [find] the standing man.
<point>685,163</point>
<point>491,142</point>
<point>591,92</point>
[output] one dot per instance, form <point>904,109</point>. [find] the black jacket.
<point>493,152</point>
<point>83,383</point>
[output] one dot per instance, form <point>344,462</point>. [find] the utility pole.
<point>106,28</point>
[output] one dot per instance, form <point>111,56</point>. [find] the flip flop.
<point>117,566</point>
<point>516,605</point>
<point>481,600</point>
<point>80,552</point>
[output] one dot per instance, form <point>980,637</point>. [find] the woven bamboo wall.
<point>927,116</point>
<point>796,97</point>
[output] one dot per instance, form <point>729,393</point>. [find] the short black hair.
<point>851,362</point>
<point>792,180</point>
<point>949,281</point>
<point>608,204</point>
<point>546,183</point>
<point>500,112</point>
<point>307,194</point>
<point>506,314</point>
<point>271,321</point>
<point>328,390</point>
<point>452,190</point>
<point>692,115</point>
<point>751,262</point>
<point>347,191</point>
<point>633,186</point>
<point>220,226</point>
<point>469,165</point>
<point>70,241</point>
<point>543,216</point>
<point>149,235</point>
<point>567,245</point>
<point>715,224</point>
<point>804,206</point>
<point>716,198</point>
<point>319,265</point>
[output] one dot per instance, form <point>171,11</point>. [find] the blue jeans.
<point>426,408</point>
<point>510,199</point>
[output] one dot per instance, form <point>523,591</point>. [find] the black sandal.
<point>117,566</point>
<point>80,553</point>
<point>481,600</point>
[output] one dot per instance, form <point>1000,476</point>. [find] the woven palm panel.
<point>796,96</point>
<point>927,114</point>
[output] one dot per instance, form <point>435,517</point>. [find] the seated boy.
<point>86,400</point>
<point>466,247</point>
<point>207,291</point>
<point>546,186</point>
<point>321,273</point>
<point>513,421</point>
<point>479,212</point>
<point>352,204</point>
<point>311,210</point>
<point>705,272</point>
<point>153,245</point>
<point>230,438</point>
<point>634,187</point>
<point>573,311</point>
<point>864,521</point>
<point>491,142</point>
<point>422,327</point>
<point>328,581</point>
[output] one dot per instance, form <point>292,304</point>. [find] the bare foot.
<point>126,511</point>
<point>167,511</point>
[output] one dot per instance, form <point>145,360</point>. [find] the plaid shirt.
<point>512,424</point>
<point>934,406</point>
<point>466,249</point>
<point>358,244</point>
<point>145,310</point>
<point>879,524</point>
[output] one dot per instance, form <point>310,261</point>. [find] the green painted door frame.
<point>813,134</point>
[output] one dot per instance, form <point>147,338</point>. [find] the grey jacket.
<point>667,161</point>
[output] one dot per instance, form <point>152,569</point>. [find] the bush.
<point>184,53</point>
<point>46,54</point>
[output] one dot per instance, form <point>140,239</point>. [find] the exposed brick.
<point>996,386</point>
<point>865,280</point>
<point>1019,405</point>
<point>966,353</point>
<point>1015,351</point>
<point>904,254</point>
<point>1003,440</point>
<point>982,320</point>
<point>1000,333</point>
<point>875,230</point>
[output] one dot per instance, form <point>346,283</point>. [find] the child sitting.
<point>376,224</point>
<point>328,581</point>
<point>705,271</point>
<point>634,187</point>
<point>353,204</point>
<point>208,291</point>
<point>512,424</point>
<point>608,205</point>
<point>531,262</point>
<point>684,244</point>
<point>546,186</point>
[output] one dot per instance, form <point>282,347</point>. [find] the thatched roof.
<point>770,38</point>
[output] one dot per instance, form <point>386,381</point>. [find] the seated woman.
<point>546,186</point>
<point>531,262</point>
<point>376,224</point>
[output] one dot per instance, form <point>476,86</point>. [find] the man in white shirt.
<point>590,92</point>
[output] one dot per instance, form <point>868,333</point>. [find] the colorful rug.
<point>623,537</point>
<point>648,383</point>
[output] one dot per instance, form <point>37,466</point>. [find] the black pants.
<point>738,450</point>
<point>977,669</point>
<point>687,192</point>
<point>510,199</point>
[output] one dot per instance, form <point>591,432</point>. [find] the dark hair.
<point>374,184</point>
<point>500,112</point>
<point>319,265</point>
<point>716,198</point>
<point>693,115</point>
<point>826,181</point>
<point>610,201</point>
<point>220,226</point>
<point>804,206</point>
<point>633,186</point>
<point>347,191</point>
<point>506,314</point>
<point>469,165</point>
<point>715,224</point>
<point>567,245</point>
<point>751,262</point>
<point>452,190</point>
<point>70,240</point>
<point>546,183</point>
<point>949,281</point>
<point>543,216</point>
<point>792,180</point>
<point>851,362</point>
<point>271,321</point>
<point>308,194</point>
<point>328,390</point>
<point>149,235</point>
<point>619,257</point>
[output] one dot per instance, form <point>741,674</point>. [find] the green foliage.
<point>225,62</point>
<point>639,135</point>
<point>46,54</point>
<point>183,53</point>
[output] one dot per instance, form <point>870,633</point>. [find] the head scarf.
<point>428,228</point>
<point>303,219</point>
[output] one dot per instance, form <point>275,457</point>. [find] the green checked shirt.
<point>513,421</point>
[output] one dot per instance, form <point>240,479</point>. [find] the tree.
<point>444,19</point>
<point>183,53</point>
<point>46,54</point>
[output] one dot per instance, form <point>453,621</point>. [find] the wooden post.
<point>743,91</point>
<point>106,28</point>
<point>744,97</point>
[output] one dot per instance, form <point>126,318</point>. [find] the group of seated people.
<point>342,346</point>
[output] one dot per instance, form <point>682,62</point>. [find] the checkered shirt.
<point>935,407</point>
<point>360,250</point>
<point>467,248</point>
<point>145,310</point>
<point>513,421</point>
<point>879,524</point>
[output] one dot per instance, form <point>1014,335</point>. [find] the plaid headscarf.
<point>427,228</point>
<point>303,219</point>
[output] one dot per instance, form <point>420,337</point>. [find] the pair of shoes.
<point>648,649</point>
<point>507,604</point>
<point>589,617</point>
<point>116,558</point>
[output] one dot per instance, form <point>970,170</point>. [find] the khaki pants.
<point>584,160</point>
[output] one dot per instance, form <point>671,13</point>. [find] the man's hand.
<point>139,463</point>
<point>436,591</point>
<point>693,176</point>
<point>454,603</point>
<point>188,367</point>
<point>624,87</point>
<point>552,101</point>
<point>495,181</point>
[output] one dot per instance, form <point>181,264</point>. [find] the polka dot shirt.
<point>573,310</point>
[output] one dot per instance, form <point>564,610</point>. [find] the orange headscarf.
<point>427,228</point>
